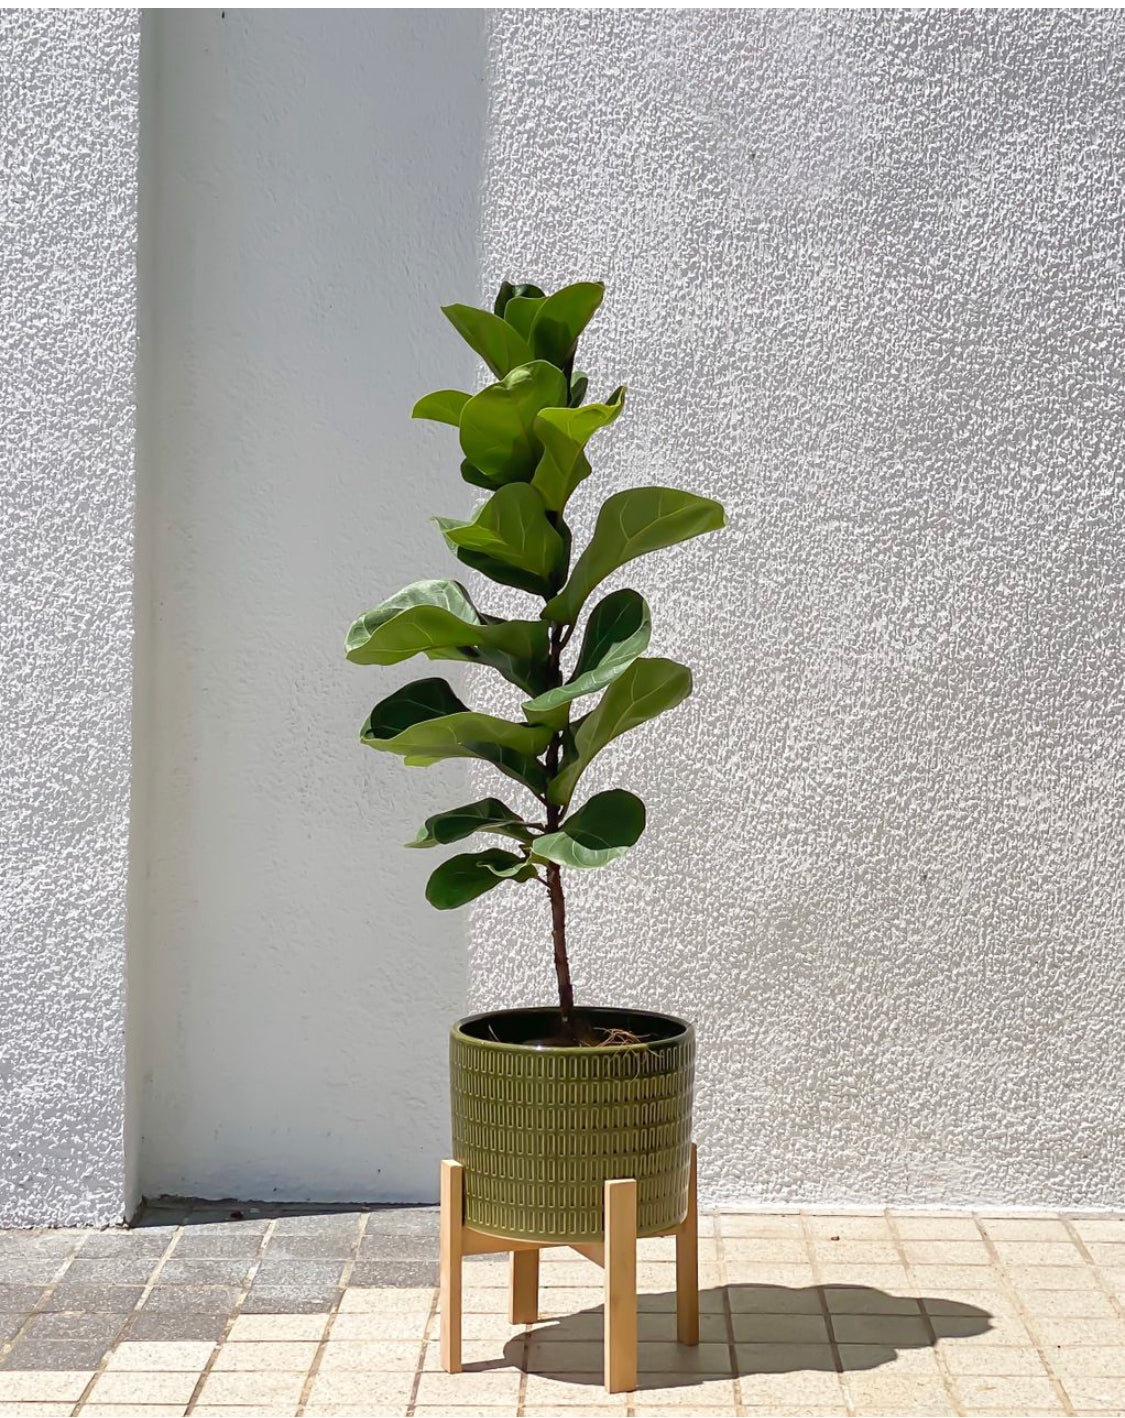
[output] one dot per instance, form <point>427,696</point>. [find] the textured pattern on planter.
<point>539,1132</point>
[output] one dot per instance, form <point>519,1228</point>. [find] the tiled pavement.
<point>278,1311</point>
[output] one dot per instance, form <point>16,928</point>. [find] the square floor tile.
<point>121,1386</point>
<point>264,1390</point>
<point>156,1356</point>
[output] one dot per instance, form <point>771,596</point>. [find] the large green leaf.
<point>617,632</point>
<point>498,434</point>
<point>600,831</point>
<point>437,619</point>
<point>500,346</point>
<point>442,406</point>
<point>512,528</point>
<point>425,722</point>
<point>647,688</point>
<point>509,292</point>
<point>561,319</point>
<point>564,434</point>
<point>487,815</point>
<point>520,311</point>
<point>471,874</point>
<point>631,523</point>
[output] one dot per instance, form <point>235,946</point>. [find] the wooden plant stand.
<point>617,1256</point>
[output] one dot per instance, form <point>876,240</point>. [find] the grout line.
<point>927,1319</point>
<point>47,1291</point>
<point>724,1286</point>
<point>419,1369</point>
<point>1026,1319</point>
<point>146,1290</point>
<point>826,1313</point>
<point>333,1311</point>
<point>1083,1251</point>
<point>244,1290</point>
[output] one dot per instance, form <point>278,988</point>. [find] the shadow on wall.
<point>310,190</point>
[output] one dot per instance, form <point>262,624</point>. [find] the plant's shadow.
<point>750,1329</point>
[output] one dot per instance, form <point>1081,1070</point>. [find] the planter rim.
<point>682,1029</point>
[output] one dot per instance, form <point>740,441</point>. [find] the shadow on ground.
<point>752,1329</point>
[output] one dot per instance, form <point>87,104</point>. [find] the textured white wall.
<point>865,275</point>
<point>68,152</point>
<point>313,184</point>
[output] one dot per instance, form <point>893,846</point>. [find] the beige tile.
<point>261,1389</point>
<point>847,1228</point>
<point>891,1278</point>
<point>1012,1391</point>
<point>586,1326</point>
<point>758,1359</point>
<point>131,1387</point>
<point>934,1279</point>
<point>947,1253</point>
<point>1025,1228</point>
<point>740,1272</point>
<point>936,1228</point>
<point>891,1330</point>
<point>547,1356</point>
<point>481,1411</point>
<point>1052,1277</point>
<point>664,1248</point>
<point>1068,1303</point>
<point>480,1354</point>
<point>779,1329</point>
<point>1092,1391</point>
<point>269,1354</point>
<point>1109,1333</point>
<point>903,1393</point>
<point>1099,1228</point>
<point>31,1409</point>
<point>358,1300</point>
<point>757,1298</point>
<point>1097,1360</point>
<point>769,1251</point>
<point>157,1356</point>
<point>501,1386</point>
<point>963,1300</point>
<point>1028,1253</point>
<point>1109,1253</point>
<point>668,1357</point>
<point>801,1410</point>
<point>685,1390</point>
<point>916,1364</point>
<point>346,1410</point>
<point>133,1410</point>
<point>370,1355</point>
<point>662,1325</point>
<point>555,1303</point>
<point>43,1386</point>
<point>1114,1278</point>
<point>733,1224</point>
<point>571,1410</point>
<point>546,1390</point>
<point>847,1252</point>
<point>967,1329</point>
<point>491,1325</point>
<point>361,1392</point>
<point>232,1410</point>
<point>992,1359</point>
<point>277,1327</point>
<point>867,1300</point>
<point>818,1386</point>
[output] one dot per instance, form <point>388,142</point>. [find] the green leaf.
<point>437,619</point>
<point>508,292</point>
<point>425,722</point>
<point>631,523</point>
<point>521,311</point>
<point>561,319</point>
<point>564,434</point>
<point>647,688</point>
<point>617,632</point>
<point>475,476</point>
<point>501,347</point>
<point>599,832</point>
<point>443,406</point>
<point>579,383</point>
<point>463,878</point>
<point>512,529</point>
<point>498,434</point>
<point>487,815</point>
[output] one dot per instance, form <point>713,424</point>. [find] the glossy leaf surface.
<point>617,633</point>
<point>442,406</point>
<point>501,347</point>
<point>512,529</point>
<point>463,878</point>
<point>498,435</point>
<point>602,830</point>
<point>487,815</point>
<point>564,434</point>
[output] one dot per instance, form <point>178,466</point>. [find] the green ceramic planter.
<point>540,1129</point>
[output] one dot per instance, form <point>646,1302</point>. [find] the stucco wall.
<point>314,182</point>
<point>865,275</point>
<point>68,140</point>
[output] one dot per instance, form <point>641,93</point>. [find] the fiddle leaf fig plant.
<point>524,440</point>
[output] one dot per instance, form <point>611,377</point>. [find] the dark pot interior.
<point>543,1027</point>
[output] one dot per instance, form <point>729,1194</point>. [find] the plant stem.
<point>554,875</point>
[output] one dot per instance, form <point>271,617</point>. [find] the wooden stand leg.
<point>687,1267</point>
<point>452,1225</point>
<point>523,1294</point>
<point>620,1286</point>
